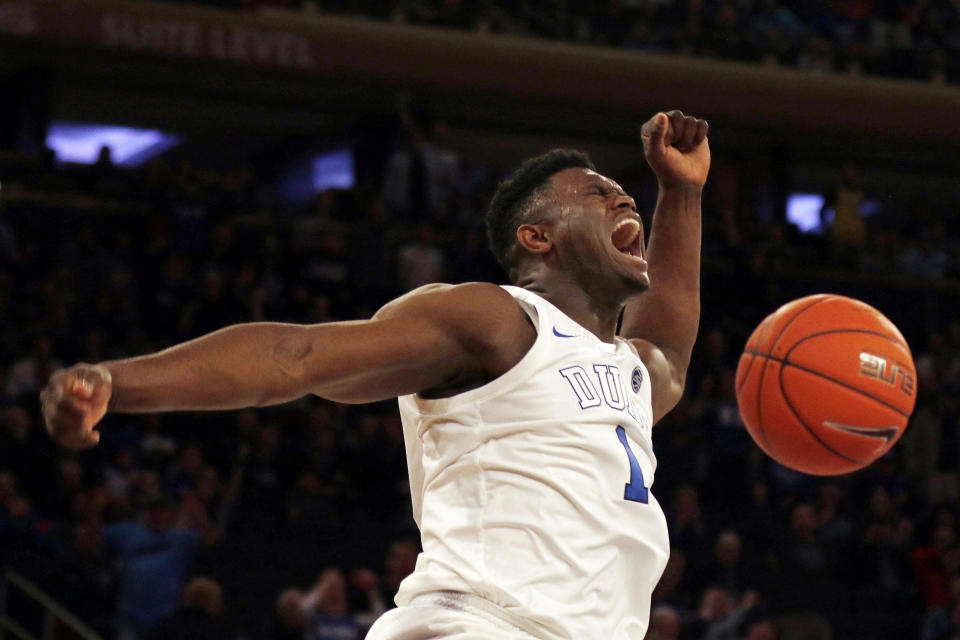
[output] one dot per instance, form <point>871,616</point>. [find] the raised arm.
<point>663,321</point>
<point>431,338</point>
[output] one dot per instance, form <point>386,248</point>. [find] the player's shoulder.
<point>482,314</point>
<point>480,300</point>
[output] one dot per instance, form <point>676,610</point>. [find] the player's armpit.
<point>424,340</point>
<point>667,379</point>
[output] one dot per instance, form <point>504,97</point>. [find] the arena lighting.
<point>333,170</point>
<point>129,147</point>
<point>803,210</point>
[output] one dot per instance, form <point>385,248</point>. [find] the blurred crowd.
<point>917,39</point>
<point>294,521</point>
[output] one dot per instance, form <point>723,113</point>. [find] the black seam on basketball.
<point>793,410</point>
<point>783,329</point>
<point>787,363</point>
<point>763,372</point>
<point>763,432</point>
<point>832,331</point>
<point>746,374</point>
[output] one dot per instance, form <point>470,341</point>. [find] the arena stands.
<point>898,38</point>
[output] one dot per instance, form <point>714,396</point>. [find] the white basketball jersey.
<point>532,491</point>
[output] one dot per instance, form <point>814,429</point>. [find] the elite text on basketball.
<point>874,366</point>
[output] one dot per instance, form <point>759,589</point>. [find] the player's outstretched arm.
<point>663,321</point>
<point>431,338</point>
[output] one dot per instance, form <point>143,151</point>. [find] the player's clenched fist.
<point>676,148</point>
<point>74,401</point>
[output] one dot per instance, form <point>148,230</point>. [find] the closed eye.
<point>604,192</point>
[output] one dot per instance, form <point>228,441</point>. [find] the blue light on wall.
<point>803,210</point>
<point>333,170</point>
<point>129,147</point>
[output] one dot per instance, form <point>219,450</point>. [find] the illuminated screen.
<point>129,147</point>
<point>333,170</point>
<point>803,210</point>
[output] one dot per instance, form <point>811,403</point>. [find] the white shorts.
<point>446,615</point>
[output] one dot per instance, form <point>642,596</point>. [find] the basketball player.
<point>527,420</point>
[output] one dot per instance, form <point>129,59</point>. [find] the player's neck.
<point>595,315</point>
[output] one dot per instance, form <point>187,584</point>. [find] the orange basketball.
<point>826,384</point>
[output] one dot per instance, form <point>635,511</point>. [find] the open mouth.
<point>627,239</point>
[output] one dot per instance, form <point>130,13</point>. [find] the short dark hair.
<point>514,196</point>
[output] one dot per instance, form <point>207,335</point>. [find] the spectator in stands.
<point>323,217</point>
<point>762,630</point>
<point>774,30</point>
<point>935,564</point>
<point>805,560</point>
<point>200,616</point>
<point>731,626</point>
<point>147,490</point>
<point>422,177</point>
<point>664,624</point>
<point>14,508</point>
<point>729,440</point>
<point>943,622</point>
<point>421,261</point>
<point>945,474</point>
<point>367,584</point>
<point>670,590</point>
<point>84,580</point>
<point>683,442</point>
<point>265,477</point>
<point>289,620</point>
<point>372,461</point>
<point>25,451</point>
<point>880,566</point>
<point>728,568</point>
<point>328,611</point>
<point>187,473</point>
<point>471,261</point>
<point>400,562</point>
<point>817,54</point>
<point>8,489</point>
<point>9,244</point>
<point>28,374</point>
<point>928,256</point>
<point>121,473</point>
<point>58,501</point>
<point>312,509</point>
<point>214,306</point>
<point>848,230</point>
<point>166,295</point>
<point>154,559</point>
<point>716,606</point>
<point>834,526</point>
<point>325,273</point>
<point>725,36</point>
<point>687,529</point>
<point>19,533</point>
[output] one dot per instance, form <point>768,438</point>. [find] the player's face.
<point>599,233</point>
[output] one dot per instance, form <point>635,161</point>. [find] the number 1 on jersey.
<point>634,490</point>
